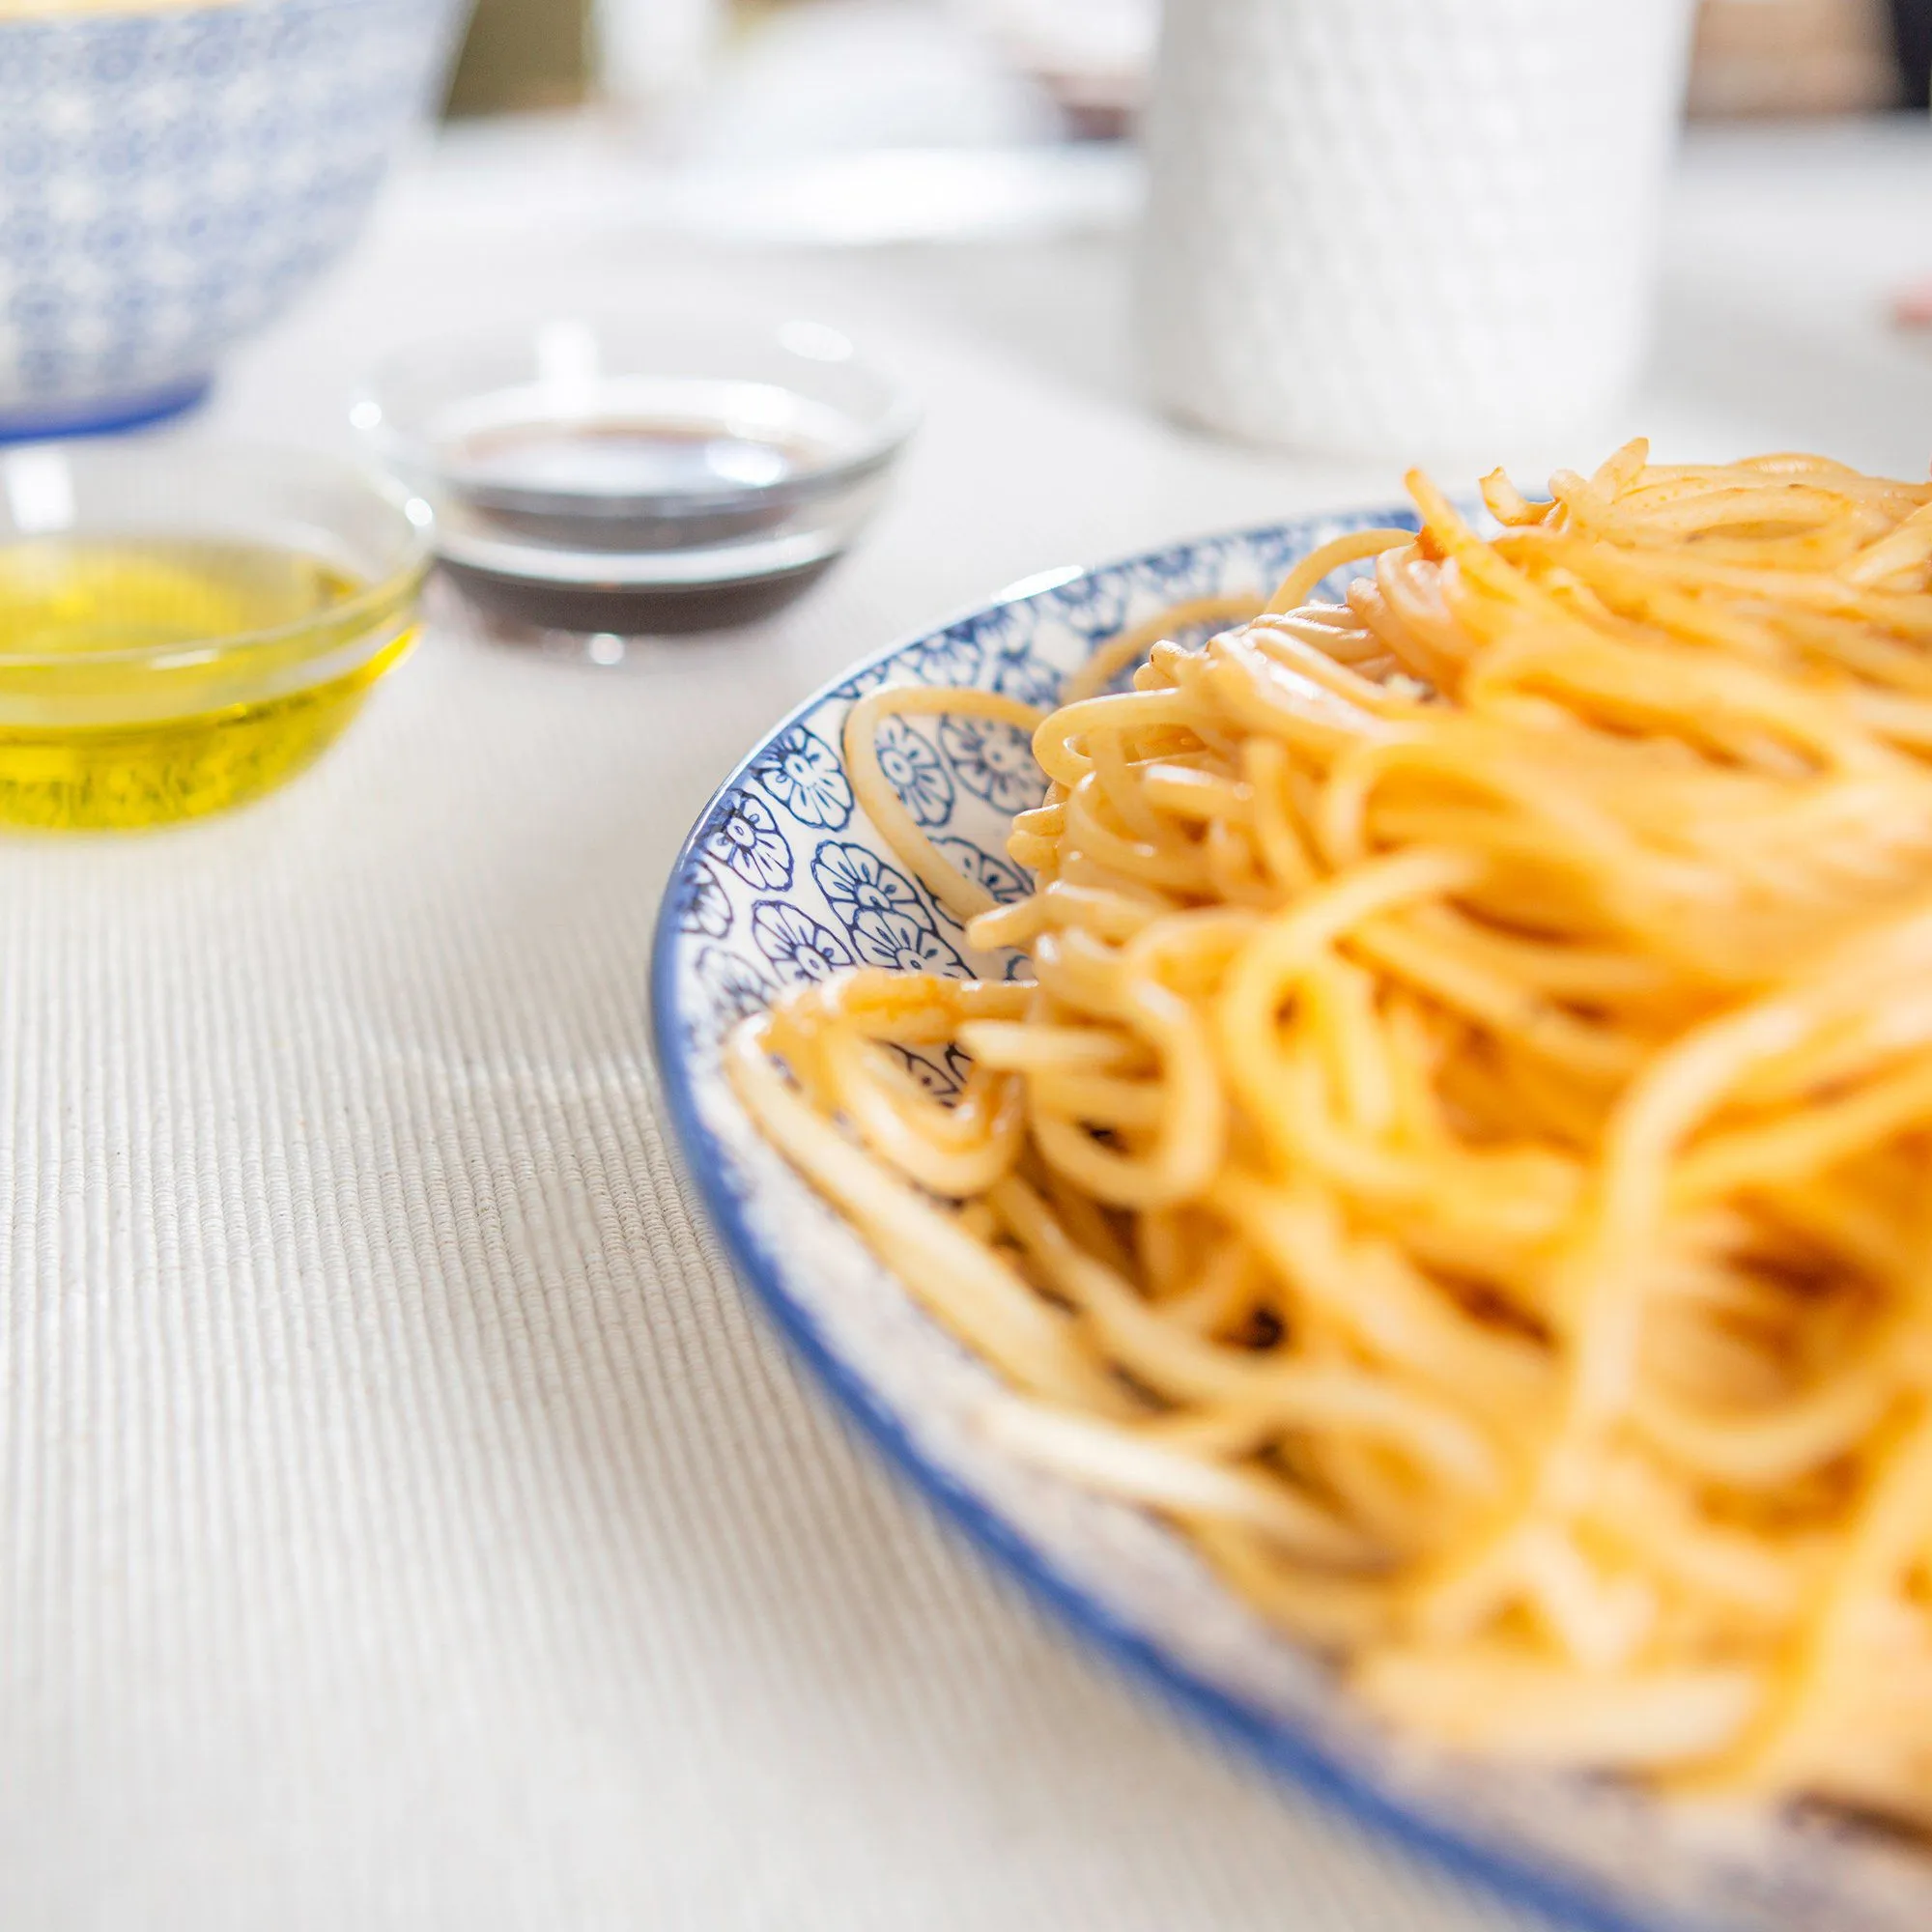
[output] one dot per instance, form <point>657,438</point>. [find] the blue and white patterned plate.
<point>784,880</point>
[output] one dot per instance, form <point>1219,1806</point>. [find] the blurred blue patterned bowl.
<point>170,180</point>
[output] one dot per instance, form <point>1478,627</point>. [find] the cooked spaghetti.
<point>1464,1155</point>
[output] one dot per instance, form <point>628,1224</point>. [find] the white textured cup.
<point>1406,227</point>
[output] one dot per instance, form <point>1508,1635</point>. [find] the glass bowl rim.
<point>414,520</point>
<point>883,436</point>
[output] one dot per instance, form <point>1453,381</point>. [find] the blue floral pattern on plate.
<point>856,882</point>
<point>951,657</point>
<point>1015,669</point>
<point>808,778</point>
<point>734,987</point>
<point>701,903</point>
<point>993,761</point>
<point>1000,878</point>
<point>1607,1857</point>
<point>746,839</point>
<point>915,771</point>
<point>796,944</point>
<point>903,944</point>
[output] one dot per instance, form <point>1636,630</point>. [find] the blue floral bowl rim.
<point>1280,1747</point>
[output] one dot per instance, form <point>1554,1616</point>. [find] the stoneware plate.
<point>783,879</point>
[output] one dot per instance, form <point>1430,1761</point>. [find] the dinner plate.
<point>783,879</point>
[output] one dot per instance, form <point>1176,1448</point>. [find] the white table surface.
<point>407,1522</point>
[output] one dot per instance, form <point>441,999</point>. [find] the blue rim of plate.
<point>1277,1746</point>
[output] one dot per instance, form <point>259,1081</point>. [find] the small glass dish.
<point>182,627</point>
<point>650,474</point>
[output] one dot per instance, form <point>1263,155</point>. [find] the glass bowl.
<point>185,627</point>
<point>646,473</point>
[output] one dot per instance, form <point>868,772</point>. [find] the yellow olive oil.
<point>124,698</point>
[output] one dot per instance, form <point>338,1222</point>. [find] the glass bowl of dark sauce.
<point>639,475</point>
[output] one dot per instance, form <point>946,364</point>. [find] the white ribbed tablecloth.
<point>407,1522</point>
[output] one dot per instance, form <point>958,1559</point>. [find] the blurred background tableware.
<point>1406,226</point>
<point>184,626</point>
<point>655,473</point>
<point>855,122</point>
<point>171,177</point>
<point>1788,57</point>
<point>1091,59</point>
<point>1092,56</point>
<point>650,52</point>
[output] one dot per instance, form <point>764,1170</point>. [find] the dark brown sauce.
<point>636,486</point>
<point>541,504</point>
<point>601,459</point>
<point>633,610</point>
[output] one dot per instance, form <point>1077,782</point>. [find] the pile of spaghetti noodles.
<point>1464,1155</point>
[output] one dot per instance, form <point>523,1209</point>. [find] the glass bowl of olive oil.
<point>183,627</point>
